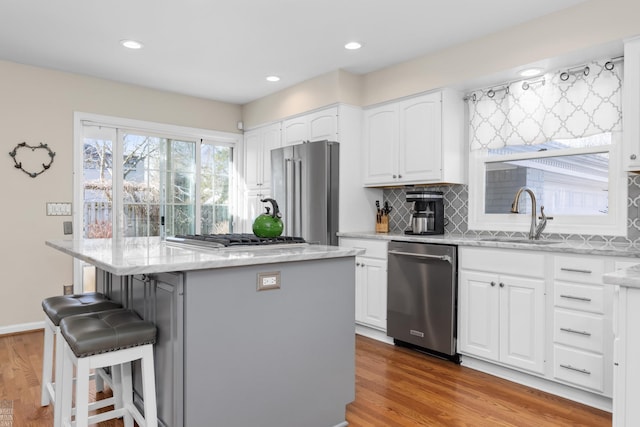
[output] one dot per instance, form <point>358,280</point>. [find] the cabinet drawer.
<point>500,261</point>
<point>374,248</point>
<point>579,269</point>
<point>581,330</point>
<point>579,297</point>
<point>579,367</point>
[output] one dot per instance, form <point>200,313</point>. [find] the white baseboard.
<point>374,334</point>
<point>577,395</point>
<point>22,327</point>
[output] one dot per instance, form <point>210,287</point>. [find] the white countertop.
<point>145,255</point>
<point>567,246</point>
<point>629,277</point>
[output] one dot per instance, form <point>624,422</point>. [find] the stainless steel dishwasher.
<point>422,296</point>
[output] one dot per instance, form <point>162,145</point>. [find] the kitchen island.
<point>246,337</point>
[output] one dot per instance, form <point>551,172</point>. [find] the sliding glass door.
<point>149,183</point>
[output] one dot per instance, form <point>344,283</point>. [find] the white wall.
<point>37,105</point>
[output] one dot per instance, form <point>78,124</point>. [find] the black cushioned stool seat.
<point>94,333</point>
<point>58,307</point>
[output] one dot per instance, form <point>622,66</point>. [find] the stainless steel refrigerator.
<point>304,181</point>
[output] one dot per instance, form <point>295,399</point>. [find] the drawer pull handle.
<point>578,298</point>
<point>576,270</point>
<point>571,368</point>
<point>573,331</point>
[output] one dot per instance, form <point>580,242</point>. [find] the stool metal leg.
<point>47,362</point>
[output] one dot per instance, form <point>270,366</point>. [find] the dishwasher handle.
<point>446,258</point>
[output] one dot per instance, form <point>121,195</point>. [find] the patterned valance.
<point>560,105</point>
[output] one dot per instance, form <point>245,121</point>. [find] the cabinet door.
<point>420,146</point>
<point>159,299</point>
<point>270,140</point>
<point>253,159</point>
<point>295,131</point>
<point>478,306</point>
<point>631,105</point>
<point>522,322</point>
<point>381,142</point>
<point>374,292</point>
<point>323,125</point>
<point>254,207</point>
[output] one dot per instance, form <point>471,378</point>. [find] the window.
<point>561,140</point>
<point>167,180</point>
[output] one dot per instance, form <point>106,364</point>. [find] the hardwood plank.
<point>395,387</point>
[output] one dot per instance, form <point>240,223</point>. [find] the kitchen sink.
<point>525,241</point>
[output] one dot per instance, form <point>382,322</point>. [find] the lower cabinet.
<point>371,282</point>
<point>159,299</point>
<point>371,292</point>
<point>502,318</point>
<point>501,307</point>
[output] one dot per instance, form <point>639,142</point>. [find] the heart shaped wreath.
<point>42,146</point>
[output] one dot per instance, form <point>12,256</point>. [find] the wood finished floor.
<point>394,387</point>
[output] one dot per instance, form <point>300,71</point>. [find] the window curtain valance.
<point>560,105</point>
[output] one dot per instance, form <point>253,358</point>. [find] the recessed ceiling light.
<point>352,46</point>
<point>131,44</point>
<point>530,72</point>
<point>273,79</point>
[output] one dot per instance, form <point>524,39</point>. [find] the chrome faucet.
<point>536,230</point>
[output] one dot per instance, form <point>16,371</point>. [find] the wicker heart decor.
<point>31,156</point>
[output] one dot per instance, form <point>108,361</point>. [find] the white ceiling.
<point>224,49</point>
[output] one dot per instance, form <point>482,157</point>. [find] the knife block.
<point>382,226</point>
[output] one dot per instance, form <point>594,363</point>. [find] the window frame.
<point>200,136</point>
<point>614,223</point>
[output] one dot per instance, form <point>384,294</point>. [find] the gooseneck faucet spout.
<point>533,233</point>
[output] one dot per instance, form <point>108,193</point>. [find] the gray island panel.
<point>273,358</point>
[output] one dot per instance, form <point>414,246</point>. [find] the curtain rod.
<point>526,83</point>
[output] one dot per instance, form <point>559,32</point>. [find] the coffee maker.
<point>427,212</point>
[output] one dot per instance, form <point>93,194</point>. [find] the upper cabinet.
<point>415,141</point>
<point>631,106</point>
<point>317,126</point>
<point>258,145</point>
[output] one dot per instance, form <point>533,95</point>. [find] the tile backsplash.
<point>456,207</point>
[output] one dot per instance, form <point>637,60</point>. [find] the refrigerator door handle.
<point>297,202</point>
<point>289,197</point>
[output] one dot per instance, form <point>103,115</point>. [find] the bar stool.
<point>113,338</point>
<point>56,308</point>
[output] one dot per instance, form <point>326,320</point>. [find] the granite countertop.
<point>565,246</point>
<point>145,255</point>
<point>629,277</point>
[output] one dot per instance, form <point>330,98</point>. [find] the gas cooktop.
<point>232,240</point>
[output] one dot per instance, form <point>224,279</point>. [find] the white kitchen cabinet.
<point>371,282</point>
<point>415,141</point>
<point>258,144</point>
<point>254,207</point>
<point>501,308</point>
<point>626,351</point>
<point>631,105</point>
<point>316,126</point>
<point>582,332</point>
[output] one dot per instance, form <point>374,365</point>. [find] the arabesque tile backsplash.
<point>456,208</point>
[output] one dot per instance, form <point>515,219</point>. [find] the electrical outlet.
<point>67,227</point>
<point>267,281</point>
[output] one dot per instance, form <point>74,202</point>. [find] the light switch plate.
<point>267,281</point>
<point>58,209</point>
